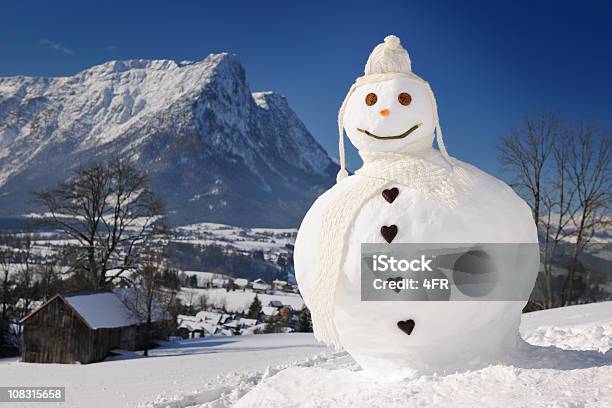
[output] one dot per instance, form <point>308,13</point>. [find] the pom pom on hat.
<point>388,57</point>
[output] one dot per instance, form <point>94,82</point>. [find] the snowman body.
<point>447,334</point>
<point>387,111</point>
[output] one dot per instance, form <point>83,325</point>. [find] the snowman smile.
<point>401,136</point>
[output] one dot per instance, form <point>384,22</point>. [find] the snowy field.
<point>238,301</point>
<point>248,239</point>
<point>292,370</point>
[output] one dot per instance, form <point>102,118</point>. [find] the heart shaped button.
<point>390,194</point>
<point>388,232</point>
<point>406,326</point>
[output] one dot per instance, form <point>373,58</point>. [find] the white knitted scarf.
<point>412,170</point>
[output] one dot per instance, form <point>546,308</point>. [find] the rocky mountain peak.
<point>214,150</point>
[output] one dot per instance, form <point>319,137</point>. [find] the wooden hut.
<point>79,327</point>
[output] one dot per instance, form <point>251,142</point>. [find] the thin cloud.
<point>51,45</point>
<point>110,48</point>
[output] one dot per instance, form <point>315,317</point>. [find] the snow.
<point>247,239</point>
<point>292,370</point>
<point>204,278</point>
<point>282,370</point>
<point>101,310</point>
<point>175,373</point>
<point>238,300</point>
<point>582,327</point>
<point>247,322</point>
<point>269,311</point>
<point>206,328</point>
<point>532,377</point>
<point>211,317</point>
<point>260,286</point>
<point>494,386</point>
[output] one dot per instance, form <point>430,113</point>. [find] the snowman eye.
<point>371,99</point>
<point>404,98</point>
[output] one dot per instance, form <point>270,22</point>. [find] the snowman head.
<point>390,116</point>
<point>389,109</point>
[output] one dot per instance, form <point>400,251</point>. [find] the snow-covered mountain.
<point>214,150</point>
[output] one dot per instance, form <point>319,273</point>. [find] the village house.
<point>276,303</point>
<point>207,323</point>
<point>208,279</point>
<point>260,286</point>
<point>239,323</point>
<point>278,284</point>
<point>190,328</point>
<point>203,324</point>
<point>81,327</point>
<point>277,309</point>
<point>269,311</point>
<point>241,283</point>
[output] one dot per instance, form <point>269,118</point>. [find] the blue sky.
<point>489,63</point>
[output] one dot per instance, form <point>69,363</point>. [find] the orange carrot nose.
<point>385,112</point>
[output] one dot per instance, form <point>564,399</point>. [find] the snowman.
<point>406,192</point>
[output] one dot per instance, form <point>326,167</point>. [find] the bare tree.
<point>591,178</point>
<point>558,209</point>
<point>565,179</point>
<point>9,258</point>
<point>6,285</point>
<point>149,300</point>
<point>524,153</point>
<point>49,276</point>
<point>25,274</point>
<point>108,209</point>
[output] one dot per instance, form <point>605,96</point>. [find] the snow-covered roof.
<point>232,323</point>
<point>253,329</point>
<point>211,317</point>
<point>186,318</point>
<point>269,310</point>
<point>101,309</point>
<point>248,322</point>
<point>104,309</point>
<point>241,282</point>
<point>276,303</point>
<point>260,286</point>
<point>206,328</point>
<point>219,281</point>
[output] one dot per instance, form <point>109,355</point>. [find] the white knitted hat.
<point>388,60</point>
<point>388,57</point>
